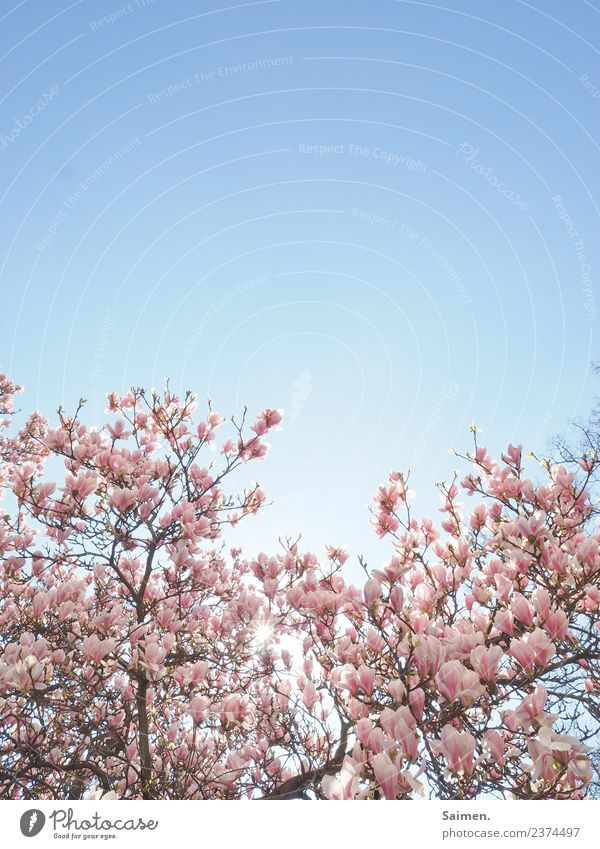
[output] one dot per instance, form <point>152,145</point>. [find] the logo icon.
<point>32,822</point>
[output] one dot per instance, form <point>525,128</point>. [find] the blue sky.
<point>381,217</point>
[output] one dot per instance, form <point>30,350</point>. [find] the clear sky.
<point>379,216</point>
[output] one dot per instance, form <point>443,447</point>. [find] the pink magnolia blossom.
<point>455,681</point>
<point>535,702</point>
<point>485,661</point>
<point>556,625</point>
<point>346,785</point>
<point>367,678</point>
<point>522,609</point>
<point>458,747</point>
<point>123,499</point>
<point>494,742</point>
<point>386,774</point>
<point>372,592</point>
<point>309,695</point>
<point>416,700</point>
<point>542,601</point>
<point>96,649</point>
<point>535,649</point>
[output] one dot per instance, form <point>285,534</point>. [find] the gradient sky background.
<point>162,216</point>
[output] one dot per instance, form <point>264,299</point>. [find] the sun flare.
<point>263,634</point>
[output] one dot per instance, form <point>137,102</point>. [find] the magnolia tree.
<point>140,659</point>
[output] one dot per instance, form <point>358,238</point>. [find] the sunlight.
<point>263,634</point>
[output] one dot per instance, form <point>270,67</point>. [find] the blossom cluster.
<point>141,658</point>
